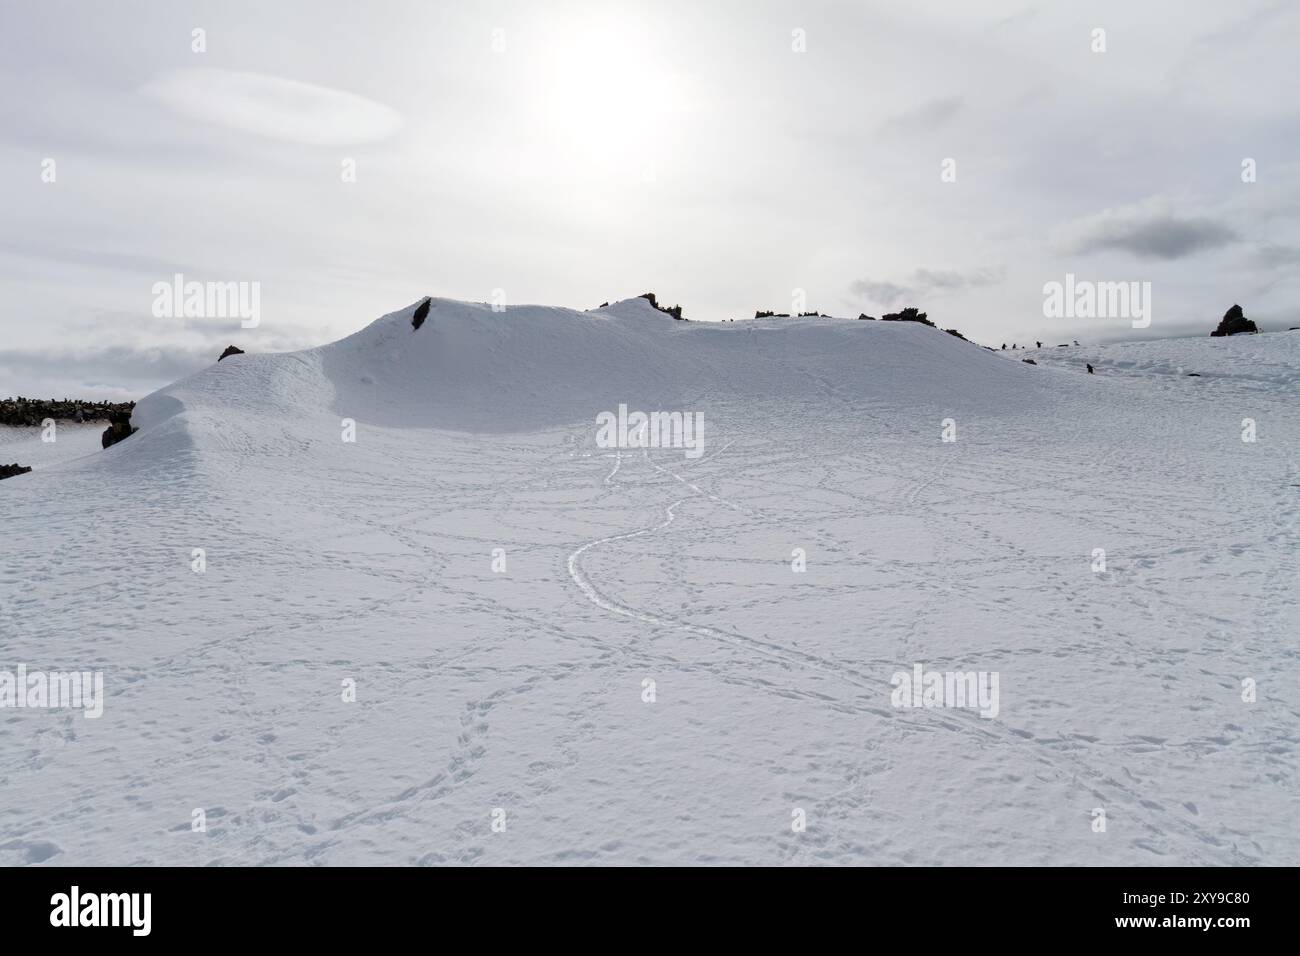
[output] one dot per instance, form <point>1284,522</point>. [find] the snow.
<point>522,689</point>
<point>1266,360</point>
<point>26,446</point>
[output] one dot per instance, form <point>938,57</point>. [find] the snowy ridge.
<point>471,368</point>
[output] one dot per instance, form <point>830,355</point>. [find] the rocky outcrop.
<point>908,315</point>
<point>1234,323</point>
<point>421,313</point>
<point>911,314</point>
<point>8,471</point>
<point>230,350</point>
<point>675,311</point>
<point>119,428</point>
<point>32,411</point>
<point>866,318</point>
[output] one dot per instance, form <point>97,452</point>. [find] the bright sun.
<point>603,84</point>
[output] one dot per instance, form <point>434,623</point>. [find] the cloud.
<point>274,107</point>
<point>1151,229</point>
<point>885,293</point>
<point>921,119</point>
<point>924,283</point>
<point>35,248</point>
<point>118,355</point>
<point>1272,255</point>
<point>1244,28</point>
<point>116,372</point>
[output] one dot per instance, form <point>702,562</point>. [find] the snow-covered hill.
<point>609,649</point>
<point>470,368</point>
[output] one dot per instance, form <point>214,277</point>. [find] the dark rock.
<point>119,428</point>
<point>24,412</point>
<point>909,314</point>
<point>8,471</point>
<point>675,311</point>
<point>230,350</point>
<point>1234,323</point>
<point>958,334</point>
<point>1029,361</point>
<point>421,313</point>
<point>867,318</point>
<point>1193,374</point>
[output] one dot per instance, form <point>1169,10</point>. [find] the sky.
<point>347,159</point>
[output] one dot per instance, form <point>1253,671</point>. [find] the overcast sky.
<point>723,155</point>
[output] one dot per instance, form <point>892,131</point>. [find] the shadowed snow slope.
<point>499,589</point>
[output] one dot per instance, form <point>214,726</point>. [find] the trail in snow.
<point>1064,763</point>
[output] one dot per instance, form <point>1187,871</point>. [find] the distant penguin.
<point>421,313</point>
<point>1090,372</point>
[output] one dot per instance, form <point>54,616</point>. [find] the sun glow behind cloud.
<point>605,98</point>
